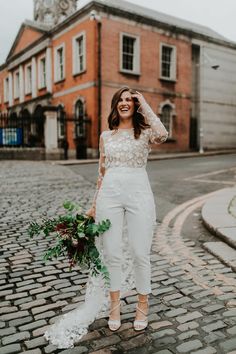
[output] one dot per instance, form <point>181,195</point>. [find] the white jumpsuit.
<point>125,194</point>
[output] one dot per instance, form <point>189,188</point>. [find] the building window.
<point>168,62</point>
<point>28,79</point>
<point>6,89</point>
<point>42,73</point>
<point>79,119</point>
<point>167,118</point>
<point>79,54</point>
<point>61,122</point>
<point>59,63</point>
<point>129,54</point>
<point>16,84</point>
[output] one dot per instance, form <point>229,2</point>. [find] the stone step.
<point>223,252</point>
<point>218,215</point>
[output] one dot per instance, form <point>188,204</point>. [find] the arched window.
<point>167,118</point>
<point>61,122</point>
<point>167,112</point>
<point>80,119</point>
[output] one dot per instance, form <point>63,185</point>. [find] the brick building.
<point>64,67</point>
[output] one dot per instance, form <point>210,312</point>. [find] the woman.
<point>123,193</point>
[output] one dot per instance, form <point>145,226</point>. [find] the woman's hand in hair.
<point>139,99</point>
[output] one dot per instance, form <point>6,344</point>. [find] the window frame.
<point>57,65</point>
<point>136,54</point>
<point>173,62</point>
<point>6,89</point>
<point>28,80</point>
<point>76,58</point>
<point>42,75</point>
<point>80,126</point>
<point>16,84</point>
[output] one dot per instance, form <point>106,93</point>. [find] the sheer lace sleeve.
<point>101,168</point>
<point>158,133</point>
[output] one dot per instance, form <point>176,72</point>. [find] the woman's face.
<point>125,106</point>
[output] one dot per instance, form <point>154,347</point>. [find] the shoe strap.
<point>144,313</point>
<point>115,307</point>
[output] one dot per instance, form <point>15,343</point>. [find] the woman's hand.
<point>91,212</point>
<point>139,97</point>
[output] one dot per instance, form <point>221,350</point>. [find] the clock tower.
<point>51,12</point>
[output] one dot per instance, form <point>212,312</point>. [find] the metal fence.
<point>17,131</point>
<point>29,130</point>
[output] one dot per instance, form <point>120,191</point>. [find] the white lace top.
<point>119,148</point>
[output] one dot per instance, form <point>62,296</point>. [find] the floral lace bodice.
<point>119,148</point>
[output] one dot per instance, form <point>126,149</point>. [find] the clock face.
<point>64,4</point>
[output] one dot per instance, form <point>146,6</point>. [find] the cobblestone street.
<point>192,306</point>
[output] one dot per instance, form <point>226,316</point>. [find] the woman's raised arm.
<point>159,134</point>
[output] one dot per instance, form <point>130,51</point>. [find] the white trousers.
<point>126,193</point>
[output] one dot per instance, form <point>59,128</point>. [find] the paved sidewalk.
<point>192,305</point>
<point>219,216</point>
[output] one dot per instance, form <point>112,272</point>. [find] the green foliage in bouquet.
<point>75,238</point>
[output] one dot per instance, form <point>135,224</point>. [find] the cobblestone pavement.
<point>192,307</point>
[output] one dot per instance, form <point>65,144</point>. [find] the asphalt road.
<point>168,178</point>
<point>175,181</point>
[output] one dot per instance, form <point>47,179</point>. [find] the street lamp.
<point>204,57</point>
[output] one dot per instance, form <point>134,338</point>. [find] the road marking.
<point>169,243</point>
<point>214,181</point>
<point>211,173</point>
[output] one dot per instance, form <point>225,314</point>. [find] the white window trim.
<point>56,64</point>
<point>136,70</point>
<point>28,85</point>
<point>76,67</point>
<point>41,84</point>
<point>16,87</point>
<point>6,89</point>
<point>173,63</point>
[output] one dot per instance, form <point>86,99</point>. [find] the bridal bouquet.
<point>75,235</point>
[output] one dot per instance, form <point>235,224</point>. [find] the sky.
<point>216,14</point>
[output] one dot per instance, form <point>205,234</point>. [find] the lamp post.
<point>204,57</point>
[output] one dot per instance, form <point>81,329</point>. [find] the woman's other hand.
<point>91,212</point>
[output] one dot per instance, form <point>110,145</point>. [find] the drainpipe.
<point>95,17</point>
<point>99,27</point>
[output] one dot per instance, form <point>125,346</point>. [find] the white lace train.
<point>71,327</point>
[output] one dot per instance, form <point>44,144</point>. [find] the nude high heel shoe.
<point>140,325</point>
<point>114,325</point>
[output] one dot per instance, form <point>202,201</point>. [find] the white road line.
<point>210,173</point>
<point>169,243</point>
<point>214,181</point>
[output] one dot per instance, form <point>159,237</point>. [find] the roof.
<point>163,18</point>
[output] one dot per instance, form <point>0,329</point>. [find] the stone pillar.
<point>21,85</point>
<point>34,76</point>
<point>49,69</point>
<point>10,89</point>
<point>50,135</point>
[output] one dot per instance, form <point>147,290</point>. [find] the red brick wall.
<point>89,76</point>
<point>149,78</point>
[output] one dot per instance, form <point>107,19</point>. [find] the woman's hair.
<point>114,119</point>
